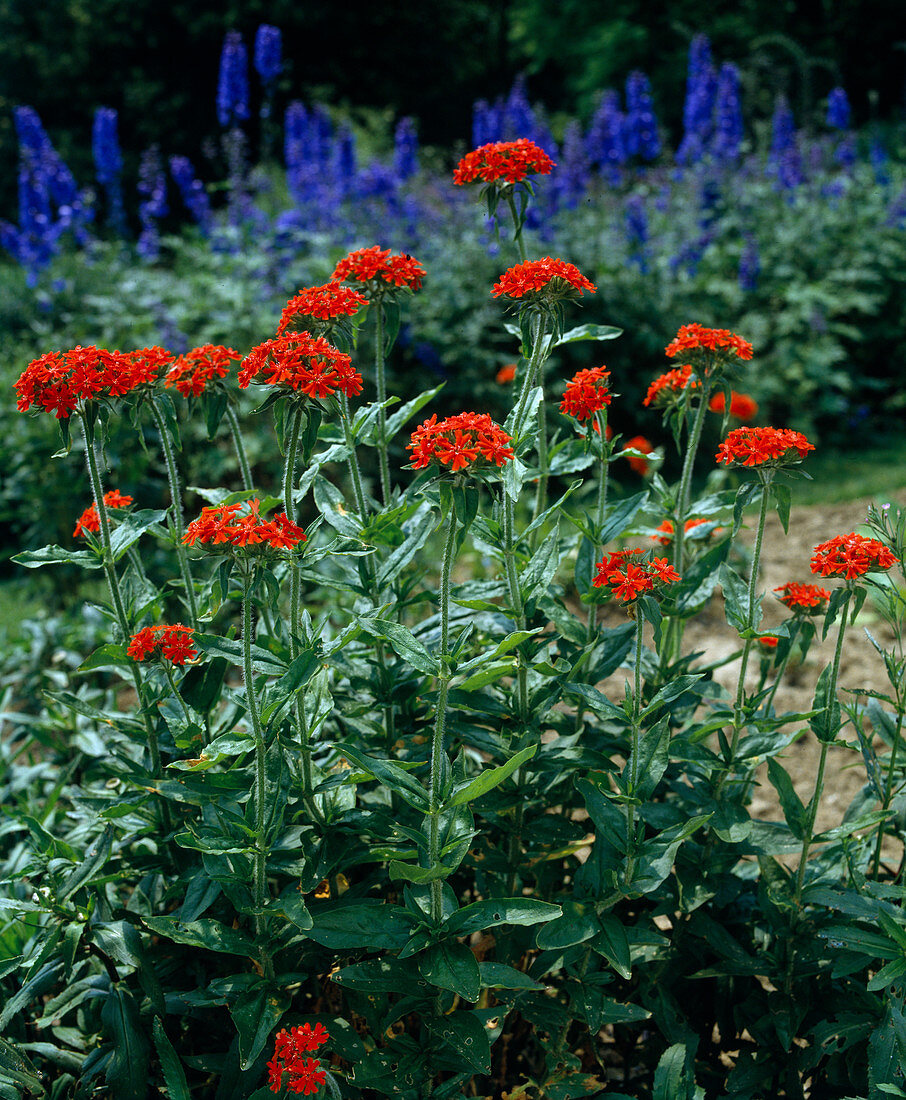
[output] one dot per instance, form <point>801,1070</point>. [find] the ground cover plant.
<point>338,806</point>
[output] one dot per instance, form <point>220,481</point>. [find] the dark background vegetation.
<point>157,62</point>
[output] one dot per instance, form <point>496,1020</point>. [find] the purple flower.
<point>268,54</point>
<point>605,142</point>
<point>193,192</point>
<point>233,84</point>
<point>108,161</point>
<point>637,232</point>
<point>641,124</point>
<point>784,159</point>
<point>749,265</point>
<point>152,184</point>
<point>698,110</point>
<point>405,149</point>
<point>838,109</point>
<point>728,130</point>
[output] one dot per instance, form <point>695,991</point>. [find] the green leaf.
<point>496,975</point>
<point>404,643</point>
<point>588,332</point>
<point>652,761</point>
<point>408,410</point>
<point>578,923</point>
<point>411,872</point>
<point>256,1012</point>
<point>781,494</point>
<point>130,529</point>
<point>391,775</point>
<point>613,944</point>
<point>487,914</point>
<point>465,1033</point>
<point>826,723</point>
<point>36,986</point>
<point>331,504</point>
<point>670,1074</point>
<point>378,976</point>
<point>230,649</point>
<point>620,516</point>
<point>15,1067</point>
<point>127,1069</point>
<point>490,778</point>
<point>56,555</point>
<point>93,861</point>
<point>793,810</point>
<point>451,965</point>
<point>209,934</point>
<point>171,1066</point>
<point>343,925</point>
<point>107,656</point>
<point>736,600</point>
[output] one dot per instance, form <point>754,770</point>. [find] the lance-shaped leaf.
<point>56,555</point>
<point>403,642</point>
<point>490,778</point>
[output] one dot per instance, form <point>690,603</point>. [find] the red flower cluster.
<point>810,598</point>
<point>545,279</point>
<point>697,338</point>
<point>191,372</point>
<point>510,161</point>
<point>320,303</point>
<point>742,407</point>
<point>172,643</point>
<point>302,363</point>
<point>290,1048</point>
<point>506,373</point>
<point>586,393</point>
<point>639,443</point>
<point>850,556</point>
<point>664,389</point>
<point>89,520</point>
<point>763,447</point>
<point>376,267</point>
<point>768,641</point>
<point>667,530</point>
<point>628,575</point>
<point>224,524</point>
<point>58,381</point>
<point>459,441</point>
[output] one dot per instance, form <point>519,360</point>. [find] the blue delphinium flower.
<point>637,232</point>
<point>108,163</point>
<point>784,159</point>
<point>569,183</point>
<point>294,151</point>
<point>838,109</point>
<point>880,159</point>
<point>605,141</point>
<point>268,54</point>
<point>698,110</point>
<point>487,123</point>
<point>193,192</point>
<point>641,124</point>
<point>405,149</point>
<point>233,84</point>
<point>728,129</point>
<point>152,185</point>
<point>519,119</point>
<point>749,264</point>
<point>345,166</point>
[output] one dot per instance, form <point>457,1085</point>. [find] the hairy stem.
<point>382,397</point>
<point>236,432</point>
<point>634,752</point>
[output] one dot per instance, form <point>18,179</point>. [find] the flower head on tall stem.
<point>460,442</point>
<point>628,574</point>
<point>546,281</point>
<point>290,1050</point>
<point>230,527</point>
<point>850,556</point>
<point>317,309</point>
<point>693,340</point>
<point>668,388</point>
<point>89,520</point>
<point>742,407</point>
<point>301,364</point>
<point>803,599</point>
<point>505,162</point>
<point>192,372</point>
<point>375,271</point>
<point>63,382</point>
<point>169,643</point>
<point>763,447</point>
<point>586,393</point>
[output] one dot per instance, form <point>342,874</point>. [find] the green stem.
<point>749,642</point>
<point>236,432</point>
<point>168,672</point>
<point>353,461</point>
<point>512,580</point>
<point>536,359</point>
<point>812,812</point>
<point>543,472</point>
<point>178,523</point>
<point>634,752</point>
<point>260,859</point>
<point>888,789</point>
<point>382,397</point>
<point>437,741</point>
<point>685,487</point>
<point>601,419</point>
<point>517,229</point>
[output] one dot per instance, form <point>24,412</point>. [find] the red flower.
<point>628,575</point>
<point>379,270</point>
<point>763,447</point>
<point>666,529</point>
<point>506,373</point>
<point>639,443</point>
<point>89,520</point>
<point>172,643</point>
<point>320,303</point>
<point>768,641</point>
<point>58,381</point>
<point>544,280</point>
<point>459,441</point>
<point>301,363</point>
<point>191,372</point>
<point>224,525</point>
<point>810,598</point>
<point>663,390</point>
<point>695,337</point>
<point>742,407</point>
<point>290,1048</point>
<point>146,367</point>
<point>586,393</point>
<point>850,556</point>
<point>510,161</point>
